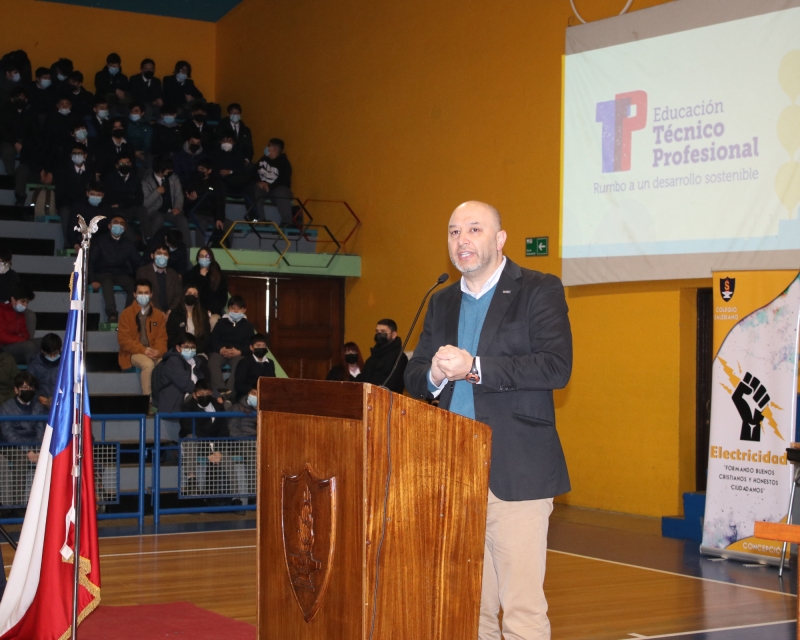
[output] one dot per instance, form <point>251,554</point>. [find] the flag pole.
<point>79,350</point>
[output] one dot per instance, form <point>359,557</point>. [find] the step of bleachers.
<point>125,383</point>
<point>115,403</point>
<point>9,211</point>
<point>57,321</point>
<point>32,231</point>
<point>29,246</point>
<point>96,341</point>
<point>55,301</point>
<point>42,282</point>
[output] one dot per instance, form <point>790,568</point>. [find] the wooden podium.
<point>356,485</point>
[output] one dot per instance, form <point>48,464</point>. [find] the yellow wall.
<point>405,110</point>
<point>48,31</point>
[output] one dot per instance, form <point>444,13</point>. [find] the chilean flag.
<point>37,602</point>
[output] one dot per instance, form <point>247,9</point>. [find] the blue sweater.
<point>470,322</point>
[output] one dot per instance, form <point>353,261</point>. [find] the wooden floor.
<point>589,598</point>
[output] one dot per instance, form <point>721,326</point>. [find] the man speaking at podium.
<point>493,349</point>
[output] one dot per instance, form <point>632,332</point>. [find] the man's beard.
<point>482,262</point>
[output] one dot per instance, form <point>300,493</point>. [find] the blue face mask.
<point>113,70</point>
<point>45,82</point>
<point>171,249</point>
<point>235,117</point>
<point>188,354</point>
<point>169,119</point>
<point>64,112</point>
<point>52,358</point>
<point>161,261</point>
<point>266,151</point>
<point>117,230</point>
<point>180,77</point>
<point>81,134</point>
<point>235,316</point>
<point>60,77</point>
<point>19,307</point>
<point>204,262</point>
<point>143,299</point>
<point>135,117</point>
<point>95,201</point>
<point>78,158</point>
<point>252,401</point>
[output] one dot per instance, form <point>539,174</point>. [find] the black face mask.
<point>118,134</point>
<point>20,104</point>
<point>194,148</point>
<point>199,117</point>
<point>381,339</point>
<point>124,169</point>
<point>260,352</point>
<point>147,74</point>
<point>190,300</point>
<point>26,395</point>
<point>203,401</point>
<point>351,358</point>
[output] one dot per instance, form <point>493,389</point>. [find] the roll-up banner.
<point>753,404</point>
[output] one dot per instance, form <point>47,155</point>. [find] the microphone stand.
<point>442,278</point>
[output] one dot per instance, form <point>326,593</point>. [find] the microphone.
<point>440,280</point>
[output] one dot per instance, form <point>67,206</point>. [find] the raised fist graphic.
<point>751,420</point>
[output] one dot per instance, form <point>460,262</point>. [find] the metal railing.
<point>18,463</point>
<point>215,469</point>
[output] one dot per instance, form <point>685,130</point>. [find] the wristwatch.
<point>473,376</point>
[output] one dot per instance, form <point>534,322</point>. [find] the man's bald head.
<point>477,206</point>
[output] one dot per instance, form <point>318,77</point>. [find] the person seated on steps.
<point>113,261</point>
<point>205,198</point>
<point>212,284</point>
<point>24,403</point>
<point>163,199</point>
<point>179,372</point>
<point>72,182</point>
<point>15,337</point>
<point>190,317</point>
<point>230,340</point>
<point>244,466</point>
<point>142,335</point>
<point>254,366</point>
<point>124,191</point>
<point>94,203</point>
<point>44,367</point>
<point>8,278</point>
<point>165,282</point>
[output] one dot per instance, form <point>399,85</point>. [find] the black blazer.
<point>525,351</point>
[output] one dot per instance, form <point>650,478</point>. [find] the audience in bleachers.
<point>72,180</point>
<point>8,372</point>
<point>179,88</point>
<point>44,367</point>
<point>164,281</point>
<point>163,199</point>
<point>253,366</point>
<point>82,100</point>
<point>186,159</point>
<point>235,127</point>
<point>204,198</point>
<point>142,335</point>
<point>113,261</point>
<point>124,191</point>
<point>8,280</point>
<point>274,182</point>
<point>190,317</point>
<point>15,337</point>
<point>110,83</point>
<point>23,404</point>
<point>41,93</point>
<point>180,371</point>
<point>20,135</point>
<point>146,88</point>
<point>207,277</point>
<point>97,122</point>
<point>230,340</point>
<point>167,132</point>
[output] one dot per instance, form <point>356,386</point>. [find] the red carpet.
<point>160,621</point>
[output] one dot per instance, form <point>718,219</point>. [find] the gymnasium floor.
<point>609,577</point>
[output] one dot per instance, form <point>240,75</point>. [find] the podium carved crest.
<point>308,523</point>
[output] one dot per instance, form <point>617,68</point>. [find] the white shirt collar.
<point>487,285</point>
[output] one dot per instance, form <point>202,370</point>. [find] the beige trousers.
<point>514,559</point>
<point>141,361</point>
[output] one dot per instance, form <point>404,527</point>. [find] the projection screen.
<point>681,130</point>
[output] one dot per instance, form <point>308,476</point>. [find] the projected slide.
<point>680,153</point>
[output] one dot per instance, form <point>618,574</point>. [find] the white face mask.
<point>4,267</point>
<point>226,146</point>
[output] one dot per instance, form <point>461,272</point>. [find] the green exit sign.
<point>536,246</point>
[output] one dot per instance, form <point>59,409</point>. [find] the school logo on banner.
<point>620,117</point>
<point>726,288</point>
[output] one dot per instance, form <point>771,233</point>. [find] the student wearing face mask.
<point>234,127</point>
<point>182,368</point>
<point>230,341</point>
<point>94,203</point>
<point>113,261</point>
<point>231,166</point>
<point>167,290</point>
<point>9,81</point>
<point>140,134</point>
<point>352,364</point>
<point>98,123</point>
<point>72,182</point>
<point>256,366</point>
<point>146,88</point>
<point>142,335</point>
<point>124,191</point>
<point>274,182</point>
<point>110,83</point>
<point>166,132</point>
<point>209,280</point>
<point>44,367</point>
<point>57,131</point>
<point>19,136</point>
<point>93,148</point>
<point>196,126</point>
<point>15,337</point>
<point>59,73</point>
<point>244,465</point>
<point>117,146</point>
<point>179,88</point>
<point>190,317</point>
<point>187,158</point>
<point>204,198</point>
<point>23,404</point>
<point>382,357</point>
<point>163,199</point>
<point>41,93</point>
